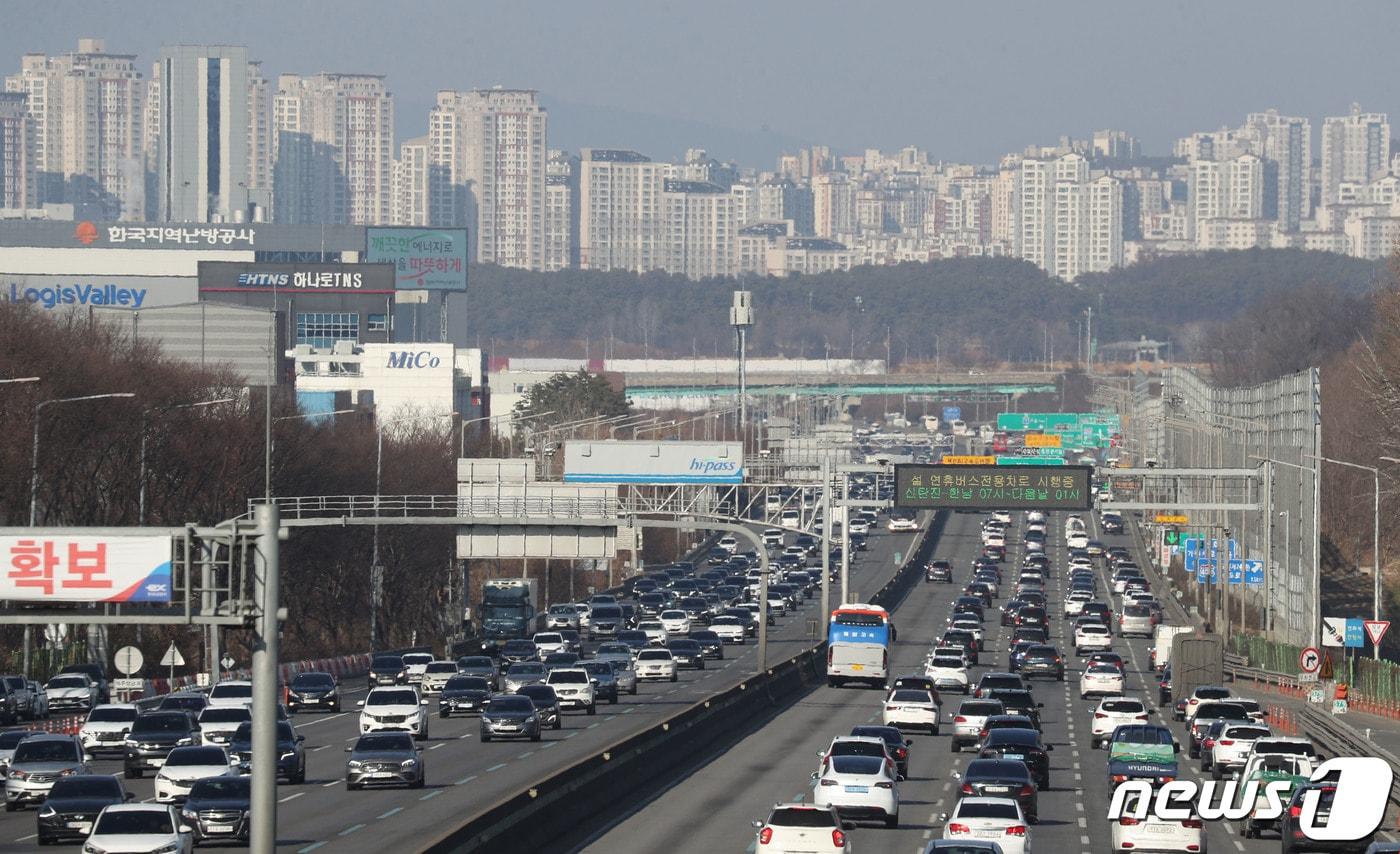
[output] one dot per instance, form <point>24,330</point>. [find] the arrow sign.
<point>1309,660</point>
<point>1376,629</point>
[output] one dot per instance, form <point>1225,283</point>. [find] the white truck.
<point>1162,644</point>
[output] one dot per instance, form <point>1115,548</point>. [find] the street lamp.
<point>377,571</point>
<point>636,434</point>
<point>511,415</point>
<point>34,463</point>
<point>141,477</point>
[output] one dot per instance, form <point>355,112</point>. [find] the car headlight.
<point>530,718</point>
<point>68,772</point>
<point>184,742</point>
<point>18,775</point>
<point>167,849</point>
<point>289,754</point>
<point>408,763</point>
<point>47,810</point>
<point>354,763</point>
<point>89,848</point>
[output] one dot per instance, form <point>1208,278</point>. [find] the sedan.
<point>995,819</point>
<point>185,765</point>
<point>911,708</point>
<point>386,758</point>
<point>463,694</point>
<point>139,827</point>
<point>658,664</point>
<point>801,827</point>
<point>547,706</point>
<point>510,716</point>
<point>217,808</point>
<point>73,804</point>
<point>1111,713</point>
<point>1091,636</point>
<point>1001,778</point>
<point>729,629</point>
<point>861,788</point>
<point>675,622</point>
<point>1021,744</point>
<point>1100,680</point>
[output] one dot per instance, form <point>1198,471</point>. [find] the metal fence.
<point>1368,678</point>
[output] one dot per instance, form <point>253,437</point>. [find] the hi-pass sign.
<point>983,487</point>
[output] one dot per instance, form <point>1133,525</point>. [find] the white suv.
<point>801,827</point>
<point>395,709</point>
<point>1091,637</point>
<point>1112,713</point>
<point>574,688</point>
<point>232,693</point>
<point>414,664</point>
<point>550,642</point>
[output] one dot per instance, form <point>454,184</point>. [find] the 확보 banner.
<point>41,568</point>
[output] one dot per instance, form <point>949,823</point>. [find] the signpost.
<point>1235,571</point>
<point>86,568</point>
<point>128,660</point>
<point>1375,630</point>
<point>172,659</point>
<point>1030,461</point>
<point>1254,572</point>
<point>952,413</point>
<point>981,487</point>
<point>965,460</point>
<point>1334,631</point>
<point>1309,660</point>
<point>1043,440</point>
<point>1171,519</point>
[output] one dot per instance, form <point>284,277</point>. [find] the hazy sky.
<point>965,80</point>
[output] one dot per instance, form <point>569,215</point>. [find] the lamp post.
<point>34,463</point>
<point>377,571</point>
<point>511,415</point>
<point>145,434</point>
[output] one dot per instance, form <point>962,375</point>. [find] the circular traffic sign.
<point>1309,660</point>
<point>128,660</point>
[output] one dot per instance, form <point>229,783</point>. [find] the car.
<point>1021,744</point>
<point>730,629</point>
<point>1113,712</point>
<point>1016,653</point>
<point>1292,768</point>
<point>604,678</point>
<point>911,708</point>
<point>1001,778</point>
<point>1136,620</point>
<point>547,643</point>
<point>675,621</point>
<point>386,759</point>
<point>231,693</point>
<point>574,688</point>
<point>1076,600</point>
<point>415,665</point>
<point>518,650</point>
<point>656,633</point>
<point>1042,660</point>
<point>217,724</point>
<point>37,762</point>
<point>1018,702</point>
<point>510,716</point>
<point>993,680</point>
<point>291,754</point>
<point>860,788</point>
<point>896,745</point>
<point>547,705</point>
<point>1091,636</point>
<point>1206,714</point>
<point>798,827</point>
<point>39,699</point>
<point>18,700</point>
<point>387,669</point>
<point>1292,835</point>
<point>217,808</point>
<point>556,660</point>
<point>1100,680</point>
<point>184,701</point>
<point>522,674</point>
<point>711,645</point>
<point>902,523</point>
<point>1107,657</point>
<point>614,652</point>
<point>436,674</point>
<point>152,736</point>
<point>562,617</point>
<point>1225,751</point>
<point>948,672</point>
<point>106,727</point>
<point>400,708</point>
<point>1151,833</point>
<point>686,653</point>
<point>73,804</point>
<point>483,666</point>
<point>988,819</point>
<point>184,765</point>
<point>939,570</point>
<point>970,719</point>
<point>625,673</point>
<point>605,621</point>
<point>1200,694</point>
<point>463,694</point>
<point>656,664</point>
<point>140,827</point>
<point>66,692</point>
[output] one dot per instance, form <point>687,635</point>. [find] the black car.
<point>981,592</point>
<point>711,645</point>
<point>518,650</point>
<point>153,735</point>
<point>389,670</point>
<point>546,704</point>
<point>918,682</point>
<point>993,680</point>
<point>1003,778</point>
<point>1018,703</point>
<point>1291,833</point>
<point>183,701</point>
<point>1023,745</point>
<point>217,808</point>
<point>556,660</point>
<point>962,640</point>
<point>1033,615</point>
<point>687,653</point>
<point>938,570</point>
<point>463,694</point>
<point>1034,633</point>
<point>73,804</point>
<point>1017,654</point>
<point>634,638</point>
<point>1164,686</point>
<point>971,603</point>
<point>313,691</point>
<point>291,756</point>
<point>1042,660</point>
<point>895,743</point>
<point>1008,611</point>
<point>859,542</point>
<point>510,716</point>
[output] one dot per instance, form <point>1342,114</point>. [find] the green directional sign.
<point>1030,461</point>
<point>1058,422</point>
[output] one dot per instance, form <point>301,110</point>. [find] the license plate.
<point>988,834</point>
<point>997,790</point>
<point>84,826</point>
<point>1159,829</point>
<point>218,828</point>
<point>379,775</point>
<point>156,763</point>
<point>858,789</point>
<point>857,666</point>
<point>1021,756</point>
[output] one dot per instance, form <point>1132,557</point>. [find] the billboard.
<point>128,292</point>
<point>251,276</point>
<point>653,462</point>
<point>430,259</point>
<point>39,568</point>
<point>982,487</point>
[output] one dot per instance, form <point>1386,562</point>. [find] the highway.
<point>718,801</point>
<point>465,777</point>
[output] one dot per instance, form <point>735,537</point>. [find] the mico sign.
<point>408,359</point>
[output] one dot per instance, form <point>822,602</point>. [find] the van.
<point>1162,643</point>
<point>791,518</point>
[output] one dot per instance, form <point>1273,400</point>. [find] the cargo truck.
<point>508,608</point>
<point>1196,660</point>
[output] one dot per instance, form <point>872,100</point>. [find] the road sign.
<point>970,487</point>
<point>1325,671</point>
<point>1253,572</point>
<point>1192,554</point>
<point>128,684</point>
<point>1307,677</point>
<point>172,657</point>
<point>964,460</point>
<point>128,660</point>
<point>1355,636</point>
<point>1043,440</point>
<point>1030,461</point>
<point>1334,631</point>
<point>1205,570</point>
<point>1170,519</point>
<point>1310,659</point>
<point>227,662</point>
<point>1235,575</point>
<point>1376,629</point>
<point>952,413</point>
<point>1317,695</point>
<point>1339,707</point>
<point>1171,536</point>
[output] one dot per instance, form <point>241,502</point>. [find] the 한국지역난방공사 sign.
<point>993,487</point>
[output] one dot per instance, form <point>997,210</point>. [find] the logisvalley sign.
<point>95,293</point>
<point>664,462</point>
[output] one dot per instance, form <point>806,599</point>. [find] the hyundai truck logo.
<point>409,359</point>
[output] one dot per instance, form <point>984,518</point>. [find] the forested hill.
<point>979,308</point>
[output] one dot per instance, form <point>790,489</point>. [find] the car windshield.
<point>225,690</point>
<point>112,715</point>
<point>528,668</point>
<point>551,637</point>
<point>36,750</point>
<point>86,786</point>
<point>568,610</point>
<point>1143,735</point>
<point>801,817</point>
<point>996,769</point>
<point>225,715</point>
<point>384,741</point>
<point>196,756</point>
<point>67,682</point>
<point>392,698</point>
<point>133,822</point>
<point>417,659</point>
<point>313,680</point>
<point>387,662</point>
<point>161,723</point>
<point>981,710</point>
<point>568,677</point>
<point>1017,736</point>
<point>467,683</point>
<point>911,695</point>
<point>221,788</point>
<point>654,655</point>
<point>1246,732</point>
<point>512,704</point>
<point>607,612</point>
<point>947,661</point>
<point>1103,670</point>
<point>988,809</point>
<point>442,667</point>
<point>1212,693</point>
<point>857,764</point>
<point>475,662</point>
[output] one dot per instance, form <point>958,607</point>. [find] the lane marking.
<point>465,780</point>
<point>436,746</point>
<point>431,795</point>
<point>351,829</point>
<point>393,811</point>
<point>290,798</point>
<point>331,783</point>
<point>527,754</point>
<point>312,847</point>
<point>496,767</point>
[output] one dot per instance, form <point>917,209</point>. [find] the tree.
<point>571,398</point>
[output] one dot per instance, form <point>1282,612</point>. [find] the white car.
<point>860,526</point>
<point>394,709</point>
<point>675,622</point>
<point>993,537</point>
<point>184,765</point>
<point>798,827</point>
<point>415,664</point>
<point>655,632</point>
<point>1075,602</point>
<point>948,673</point>
<point>902,524</point>
<point>969,719</point>
<point>655,664</point>
<point>106,727</point>
<point>1100,680</point>
<point>73,691</point>
<point>1234,746</point>
<point>1200,695</point>
<point>436,675</point>
<point>973,627</point>
<point>861,788</point>
<point>1113,712</point>
<point>777,605</point>
<point>561,617</point>
<point>549,643</point>
<point>911,708</point>
<point>1157,834</point>
<point>729,543</point>
<point>1092,637</point>
<point>232,693</point>
<point>998,820</point>
<point>729,629</point>
<point>585,614</point>
<point>217,724</point>
<point>1077,540</point>
<point>574,687</point>
<point>1002,516</point>
<point>140,827</point>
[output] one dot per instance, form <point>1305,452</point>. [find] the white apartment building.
<point>1069,225</point>
<point>561,212</point>
<point>699,229</point>
<point>260,137</point>
<point>1105,226</point>
<point>807,256</point>
<point>621,211</point>
<point>833,205</point>
<point>1354,148</point>
<point>1035,202</point>
<point>409,192</point>
<point>16,142</point>
<point>1285,144</point>
<point>487,150</point>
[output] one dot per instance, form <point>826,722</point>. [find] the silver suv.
<point>38,761</point>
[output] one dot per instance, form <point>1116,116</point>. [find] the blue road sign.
<point>952,413</point>
<point>1236,569</point>
<point>1356,633</point>
<point>1234,549</point>
<point>1254,572</point>
<point>1205,570</point>
<point>1192,555</point>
